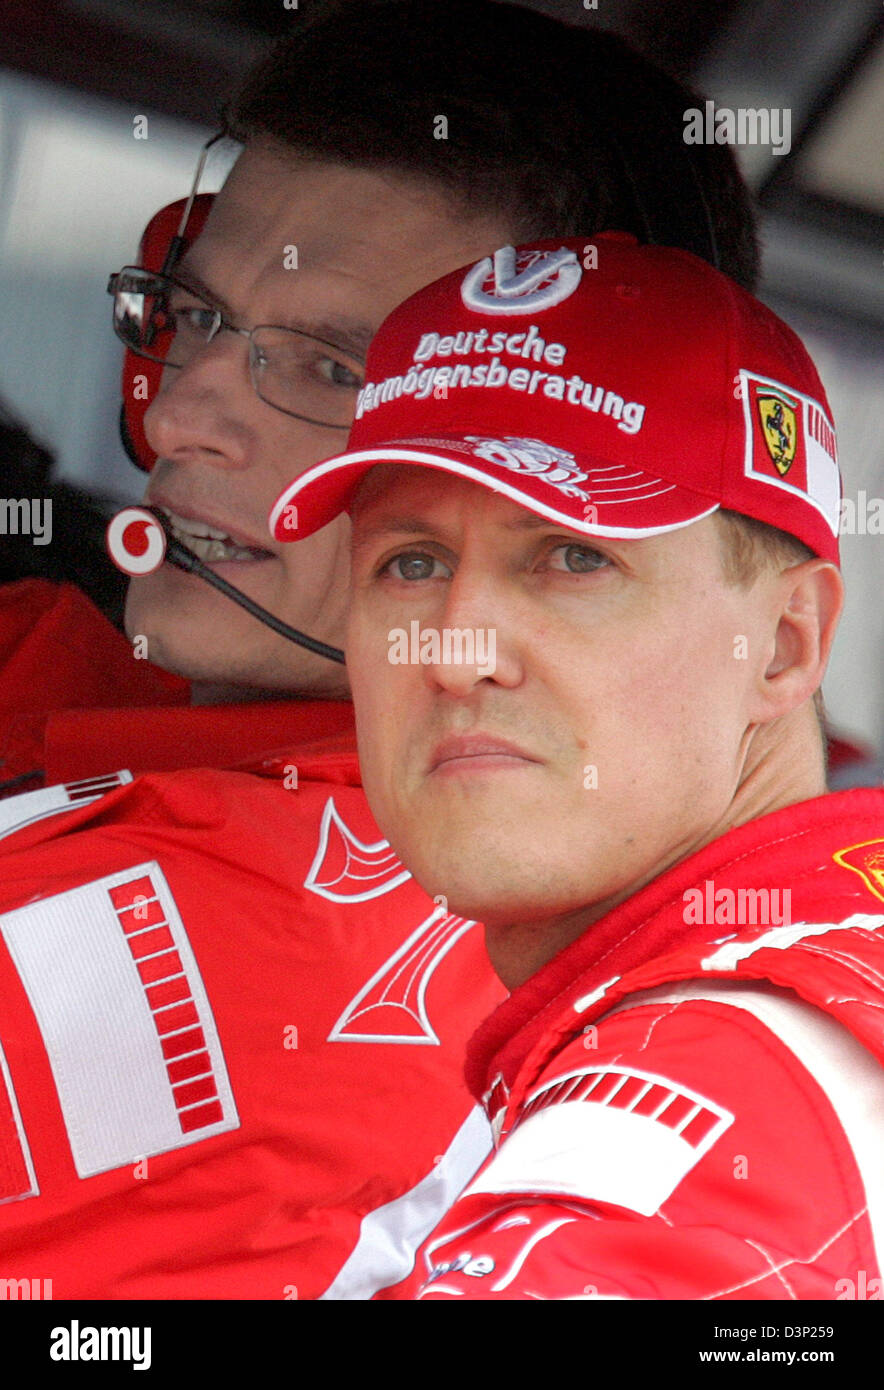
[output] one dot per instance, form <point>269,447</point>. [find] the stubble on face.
<point>619,686</point>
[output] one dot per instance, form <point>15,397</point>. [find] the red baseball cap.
<point>618,389</point>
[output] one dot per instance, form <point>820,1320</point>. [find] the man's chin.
<point>490,892</point>
<point>227,651</point>
<point>198,635</point>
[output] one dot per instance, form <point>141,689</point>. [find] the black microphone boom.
<point>184,559</point>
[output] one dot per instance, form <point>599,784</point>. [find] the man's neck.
<point>782,764</point>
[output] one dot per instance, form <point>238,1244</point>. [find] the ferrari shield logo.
<point>779,427</point>
<point>867,860</point>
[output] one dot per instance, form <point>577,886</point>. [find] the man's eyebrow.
<point>390,526</point>
<point>189,278</point>
<point>532,521</point>
<point>343,333</point>
<point>412,524</point>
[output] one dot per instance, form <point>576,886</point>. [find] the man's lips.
<point>209,531</point>
<point>477,752</point>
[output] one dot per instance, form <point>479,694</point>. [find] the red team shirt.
<point>231,1026</point>
<point>73,699</point>
<point>687,1108</point>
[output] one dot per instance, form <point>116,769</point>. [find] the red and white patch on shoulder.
<point>606,1133</point>
<point>18,811</point>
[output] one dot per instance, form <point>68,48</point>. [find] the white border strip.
<point>475,475</point>
<point>23,1140</point>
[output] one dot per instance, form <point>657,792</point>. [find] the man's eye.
<point>191,318</point>
<point>576,559</point>
<point>414,565</point>
<point>338,374</point>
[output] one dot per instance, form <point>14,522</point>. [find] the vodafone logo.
<point>136,541</point>
<point>521,284</point>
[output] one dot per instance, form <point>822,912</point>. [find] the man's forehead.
<point>361,240</point>
<point>282,217</point>
<point>266,191</point>
<point>393,487</point>
<point>402,498</point>
<point>342,212</point>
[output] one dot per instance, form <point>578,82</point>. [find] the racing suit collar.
<point>652,923</point>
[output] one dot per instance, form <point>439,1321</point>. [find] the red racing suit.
<point>58,652</point>
<point>689,1100</point>
<point>74,701</point>
<point>232,1028</point>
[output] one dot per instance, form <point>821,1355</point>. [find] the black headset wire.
<point>184,559</point>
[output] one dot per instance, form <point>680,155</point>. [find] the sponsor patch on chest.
<point>125,1018</point>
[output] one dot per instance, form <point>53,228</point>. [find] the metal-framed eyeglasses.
<point>161,319</point>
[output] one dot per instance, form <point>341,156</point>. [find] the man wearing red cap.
<point>624,467</point>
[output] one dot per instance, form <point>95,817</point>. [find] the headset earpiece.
<point>141,378</point>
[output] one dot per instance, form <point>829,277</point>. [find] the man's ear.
<point>806,603</point>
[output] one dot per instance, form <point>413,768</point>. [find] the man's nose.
<point>206,408</point>
<point>478,637</point>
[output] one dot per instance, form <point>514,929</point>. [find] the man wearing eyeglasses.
<point>233,1026</point>
<point>363,239</point>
